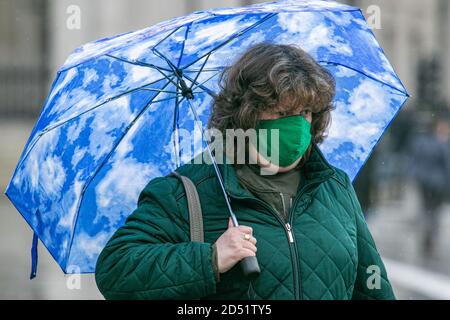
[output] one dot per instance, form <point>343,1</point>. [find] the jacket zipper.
<point>290,235</point>
<point>290,223</point>
<point>290,231</point>
<point>292,249</point>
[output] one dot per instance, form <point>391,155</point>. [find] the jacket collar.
<point>315,170</point>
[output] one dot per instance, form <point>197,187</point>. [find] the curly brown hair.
<point>263,79</point>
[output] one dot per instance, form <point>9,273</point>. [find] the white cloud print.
<point>310,31</point>
<point>360,120</point>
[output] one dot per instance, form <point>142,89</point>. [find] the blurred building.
<point>414,34</point>
<point>24,49</point>
<point>35,38</point>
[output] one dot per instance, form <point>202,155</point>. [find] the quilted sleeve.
<point>371,282</point>
<point>151,256</point>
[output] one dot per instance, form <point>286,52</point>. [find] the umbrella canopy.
<point>107,126</point>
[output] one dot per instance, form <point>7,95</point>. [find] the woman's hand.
<point>232,246</point>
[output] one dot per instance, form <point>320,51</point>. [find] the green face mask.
<point>294,138</point>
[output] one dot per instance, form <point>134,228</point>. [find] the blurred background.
<point>403,188</point>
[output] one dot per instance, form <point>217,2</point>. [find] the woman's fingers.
<point>230,223</point>
<point>248,245</point>
<point>242,231</point>
<point>235,244</point>
<point>245,229</point>
<point>251,239</point>
<point>246,253</point>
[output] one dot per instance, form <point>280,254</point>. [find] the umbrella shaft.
<point>216,167</point>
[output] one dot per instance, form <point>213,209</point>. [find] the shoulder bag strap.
<point>195,210</point>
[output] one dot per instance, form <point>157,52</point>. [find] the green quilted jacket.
<point>323,251</point>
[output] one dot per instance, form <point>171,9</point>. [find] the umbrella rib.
<point>234,36</point>
<point>167,77</point>
<point>365,74</point>
<point>107,157</point>
<point>111,50</point>
<point>165,99</point>
<point>200,71</point>
<point>158,90</point>
<point>176,71</point>
<point>159,54</point>
<point>200,85</point>
<point>138,63</point>
<point>97,106</point>
<point>184,42</point>
<point>175,125</point>
<point>166,37</point>
<point>204,69</point>
<point>40,134</point>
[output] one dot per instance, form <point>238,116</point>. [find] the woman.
<point>302,220</point>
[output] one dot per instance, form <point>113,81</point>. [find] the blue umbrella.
<point>116,110</point>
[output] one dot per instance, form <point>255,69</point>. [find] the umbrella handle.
<point>250,267</point>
